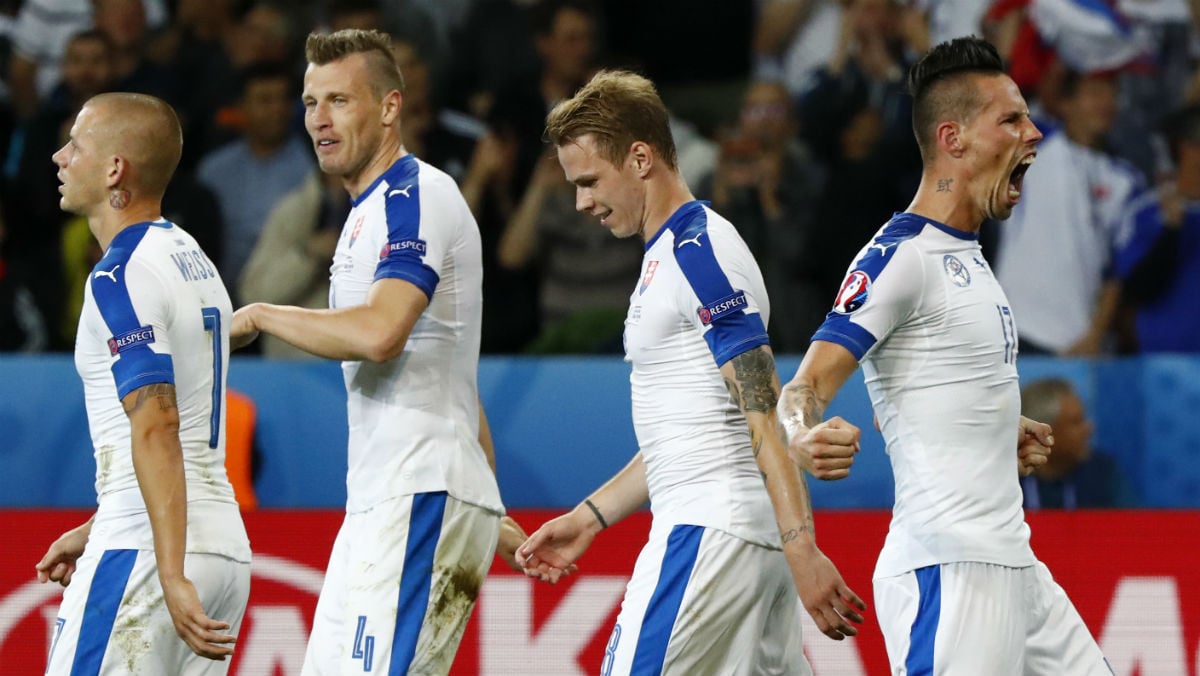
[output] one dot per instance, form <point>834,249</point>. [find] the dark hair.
<point>1182,126</point>
<point>375,46</point>
<point>265,70</point>
<point>617,108</point>
<point>936,85</point>
<point>544,13</point>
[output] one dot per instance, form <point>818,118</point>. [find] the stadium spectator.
<point>22,327</point>
<point>42,31</point>
<point>250,175</point>
<point>765,182</point>
<point>584,271</point>
<point>1056,252</point>
<point>1076,476</point>
<point>1159,257</point>
<point>123,22</point>
<point>36,229</point>
<point>290,262</point>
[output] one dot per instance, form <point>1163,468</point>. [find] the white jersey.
<point>922,311</point>
<point>414,420</point>
<point>1057,249</point>
<point>155,311</point>
<point>700,302</point>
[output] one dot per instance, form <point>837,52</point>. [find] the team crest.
<point>356,230</point>
<point>651,266</point>
<point>957,271</point>
<point>854,292</point>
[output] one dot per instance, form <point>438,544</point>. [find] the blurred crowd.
<point>790,116</point>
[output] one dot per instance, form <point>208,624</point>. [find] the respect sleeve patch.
<point>142,335</point>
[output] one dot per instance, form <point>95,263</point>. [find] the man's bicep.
<point>752,380</point>
<point>151,405</point>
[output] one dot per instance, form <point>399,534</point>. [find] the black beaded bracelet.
<point>599,516</point>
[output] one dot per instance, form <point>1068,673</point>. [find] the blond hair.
<point>617,108</point>
<point>146,131</point>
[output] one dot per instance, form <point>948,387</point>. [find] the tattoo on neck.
<point>944,184</point>
<point>118,199</point>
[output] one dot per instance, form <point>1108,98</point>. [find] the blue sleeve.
<point>403,255</point>
<point>1145,229</point>
<point>135,364</point>
<point>728,317</point>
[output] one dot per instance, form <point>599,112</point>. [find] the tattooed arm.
<point>754,386</point>
<point>823,448</point>
<point>158,464</point>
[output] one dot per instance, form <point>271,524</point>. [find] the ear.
<point>949,138</point>
<point>390,108</point>
<point>118,170</point>
<point>641,158</point>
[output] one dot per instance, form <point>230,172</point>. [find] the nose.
<point>1033,134</point>
<point>317,117</point>
<point>58,157</point>
<point>583,200</point>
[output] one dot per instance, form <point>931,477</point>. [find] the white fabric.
<point>695,442</point>
<point>989,620</point>
<point>739,613</point>
<point>366,569</point>
<point>922,311</point>
<point>155,311</point>
<point>414,420</point>
<point>143,638</point>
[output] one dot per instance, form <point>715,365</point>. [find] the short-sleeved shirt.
<point>699,303</point>
<point>922,311</point>
<point>156,311</point>
<point>414,420</point>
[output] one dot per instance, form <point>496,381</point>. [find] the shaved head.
<point>145,132</point>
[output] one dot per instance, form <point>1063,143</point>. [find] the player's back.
<point>700,295</point>
<point>414,420</point>
<point>922,311</point>
<point>155,311</point>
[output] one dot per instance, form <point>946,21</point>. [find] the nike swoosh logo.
<point>111,274</point>
<point>401,191</point>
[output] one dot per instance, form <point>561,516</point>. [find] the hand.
<point>550,553</point>
<point>196,629</point>
<point>511,537</point>
<point>243,330</point>
<point>824,594</point>
<point>827,450</point>
<point>58,565</point>
<point>1033,445</point>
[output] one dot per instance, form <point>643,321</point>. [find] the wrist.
<point>593,519</point>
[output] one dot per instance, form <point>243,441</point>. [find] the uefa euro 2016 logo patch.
<point>854,292</point>
<point>957,271</point>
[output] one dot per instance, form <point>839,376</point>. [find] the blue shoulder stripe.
<point>403,255</point>
<point>722,307</point>
<point>136,365</point>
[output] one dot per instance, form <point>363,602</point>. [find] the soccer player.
<point>957,587</point>
<point>166,551</point>
<point>423,510</point>
<point>714,589</point>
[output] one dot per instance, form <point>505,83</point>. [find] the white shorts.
<point>402,581</point>
<point>113,619</point>
<point>983,619</point>
<point>701,601</point>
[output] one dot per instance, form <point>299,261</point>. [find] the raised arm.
<point>158,464</point>
<point>754,386</point>
<point>552,550</point>
<point>376,330</point>
<point>823,448</point>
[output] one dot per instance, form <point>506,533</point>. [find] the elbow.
<point>384,347</point>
